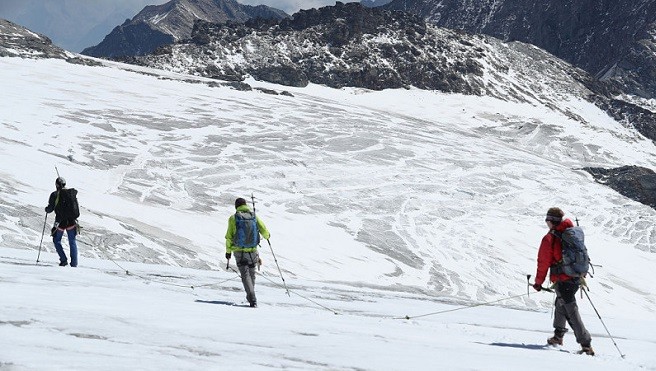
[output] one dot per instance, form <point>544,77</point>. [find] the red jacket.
<point>551,252</point>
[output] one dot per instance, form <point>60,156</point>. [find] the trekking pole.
<point>279,271</point>
<point>528,284</point>
<point>272,253</point>
<point>42,234</point>
<point>602,322</point>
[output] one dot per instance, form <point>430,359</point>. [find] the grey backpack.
<point>575,261</point>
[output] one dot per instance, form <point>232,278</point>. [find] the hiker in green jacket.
<point>242,239</point>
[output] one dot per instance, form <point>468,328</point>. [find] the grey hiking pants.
<point>568,312</point>
<point>247,264</point>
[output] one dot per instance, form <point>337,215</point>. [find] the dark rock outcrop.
<point>634,182</point>
<point>610,39</point>
<point>137,38</point>
<point>338,46</point>
<point>18,41</point>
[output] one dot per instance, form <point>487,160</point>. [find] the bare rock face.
<point>338,46</point>
<point>18,41</point>
<point>610,39</point>
<point>158,25</point>
<point>634,182</point>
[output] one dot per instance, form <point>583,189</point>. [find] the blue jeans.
<point>71,242</point>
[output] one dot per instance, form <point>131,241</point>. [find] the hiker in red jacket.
<point>567,311</point>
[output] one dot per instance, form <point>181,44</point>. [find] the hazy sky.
<point>292,6</point>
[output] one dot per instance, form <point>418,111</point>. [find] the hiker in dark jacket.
<point>567,311</point>
<point>62,224</point>
<point>244,245</point>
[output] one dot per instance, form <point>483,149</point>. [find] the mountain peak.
<point>157,25</point>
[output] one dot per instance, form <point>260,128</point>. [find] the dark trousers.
<point>567,311</point>
<point>56,239</point>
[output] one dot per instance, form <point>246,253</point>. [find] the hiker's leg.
<point>573,317</point>
<point>72,234</point>
<point>560,314</point>
<point>246,278</point>
<point>56,239</point>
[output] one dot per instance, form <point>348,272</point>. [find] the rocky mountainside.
<point>610,39</point>
<point>635,182</point>
<point>157,25</point>
<point>351,45</point>
<point>18,41</point>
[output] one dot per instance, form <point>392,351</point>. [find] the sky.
<point>292,6</point>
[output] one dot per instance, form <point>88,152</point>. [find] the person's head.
<point>60,183</point>
<point>240,201</point>
<point>554,217</point>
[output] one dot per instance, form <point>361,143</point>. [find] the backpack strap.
<point>557,267</point>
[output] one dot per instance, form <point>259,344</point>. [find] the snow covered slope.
<point>98,318</point>
<point>387,195</point>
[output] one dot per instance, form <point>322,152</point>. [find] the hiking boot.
<point>63,264</point>
<point>587,350</point>
<point>555,340</point>
<point>253,305</point>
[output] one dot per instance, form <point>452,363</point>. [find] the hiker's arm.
<point>544,259</point>
<point>51,203</point>
<point>230,233</point>
<point>263,229</point>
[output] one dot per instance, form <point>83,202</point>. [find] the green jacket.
<point>232,230</point>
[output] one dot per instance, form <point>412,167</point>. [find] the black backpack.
<point>68,208</point>
<point>575,261</point>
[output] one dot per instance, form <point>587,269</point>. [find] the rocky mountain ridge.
<point>18,41</point>
<point>351,45</point>
<point>158,25</point>
<point>610,39</point>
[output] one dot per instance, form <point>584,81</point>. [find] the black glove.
<point>46,209</point>
<point>228,255</point>
<point>537,287</point>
